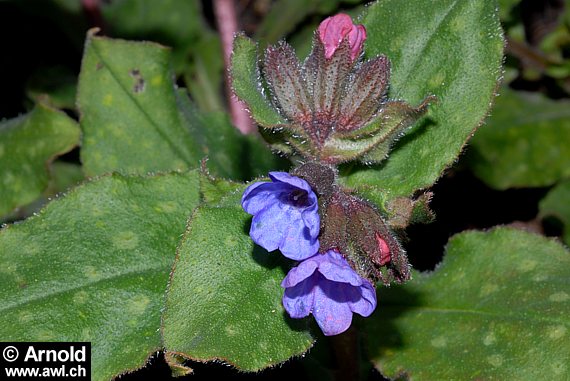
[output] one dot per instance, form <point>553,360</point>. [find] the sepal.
<point>285,80</point>
<point>372,142</point>
<point>356,229</point>
<point>326,80</point>
<point>364,92</point>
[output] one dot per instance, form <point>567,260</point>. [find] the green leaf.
<point>196,49</point>
<point>128,109</point>
<point>28,144</point>
<point>526,142</point>
<point>451,49</point>
<point>213,137</point>
<point>557,204</point>
<point>246,82</point>
<point>224,298</point>
<point>135,121</point>
<point>497,308</point>
<point>93,266</point>
<point>215,191</point>
<point>230,154</point>
<point>260,159</point>
<point>64,177</point>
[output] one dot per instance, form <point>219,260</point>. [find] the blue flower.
<point>326,286</point>
<point>285,215</point>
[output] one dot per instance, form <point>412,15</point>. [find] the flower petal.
<point>280,226</point>
<point>312,220</point>
<point>267,225</point>
<point>332,302</point>
<point>285,215</point>
<point>332,31</point>
<point>335,268</point>
<point>298,274</point>
<point>335,28</point>
<point>259,195</point>
<point>295,181</point>
<point>331,311</point>
<point>367,302</point>
<point>356,39</point>
<point>297,242</point>
<point>298,301</point>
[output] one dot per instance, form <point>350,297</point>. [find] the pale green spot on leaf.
<point>126,240</point>
<point>556,332</point>
<point>559,297</point>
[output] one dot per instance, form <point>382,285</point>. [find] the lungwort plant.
<point>188,238</point>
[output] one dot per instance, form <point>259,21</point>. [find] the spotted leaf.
<point>224,298</point>
<point>497,308</point>
<point>452,49</point>
<point>134,120</point>
<point>28,144</point>
<point>93,266</point>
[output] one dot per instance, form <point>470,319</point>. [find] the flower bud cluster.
<point>333,104</point>
<point>335,109</point>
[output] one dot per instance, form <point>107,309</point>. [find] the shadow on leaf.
<point>383,332</point>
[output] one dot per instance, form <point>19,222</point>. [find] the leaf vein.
<point>7,306</point>
<point>155,125</point>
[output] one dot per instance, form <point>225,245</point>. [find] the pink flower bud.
<point>383,249</point>
<point>335,28</point>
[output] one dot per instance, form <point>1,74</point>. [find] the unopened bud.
<point>336,28</point>
<point>356,229</point>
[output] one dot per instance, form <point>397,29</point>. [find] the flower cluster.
<point>334,110</point>
<point>286,217</point>
<point>332,107</point>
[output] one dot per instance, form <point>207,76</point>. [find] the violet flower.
<point>327,286</point>
<point>335,28</point>
<point>285,215</point>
